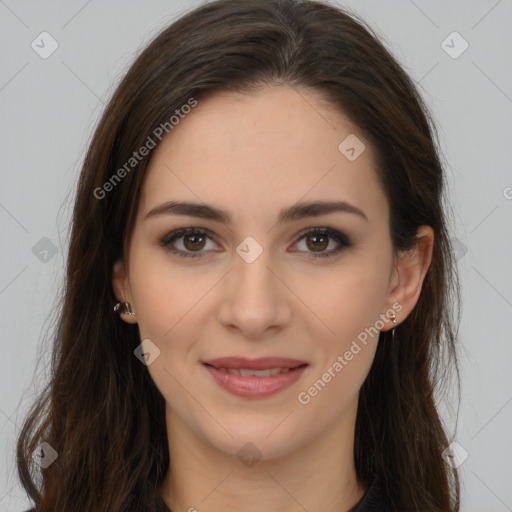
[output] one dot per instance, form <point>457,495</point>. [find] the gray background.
<point>51,105</point>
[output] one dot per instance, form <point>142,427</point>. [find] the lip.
<point>261,363</point>
<point>253,386</point>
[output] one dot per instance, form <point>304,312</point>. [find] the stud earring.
<point>125,305</point>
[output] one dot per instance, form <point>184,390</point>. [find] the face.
<point>305,285</point>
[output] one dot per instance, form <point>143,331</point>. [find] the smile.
<point>256,378</point>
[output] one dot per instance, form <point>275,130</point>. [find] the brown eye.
<point>187,242</point>
<point>194,241</point>
<point>318,242</point>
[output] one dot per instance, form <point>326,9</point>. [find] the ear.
<point>122,290</point>
<point>408,275</point>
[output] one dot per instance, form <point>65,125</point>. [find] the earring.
<point>127,307</point>
<point>392,316</point>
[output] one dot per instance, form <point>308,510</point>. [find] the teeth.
<point>255,373</point>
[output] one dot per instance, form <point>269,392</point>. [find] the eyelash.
<point>343,241</point>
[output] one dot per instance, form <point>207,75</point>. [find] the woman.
<point>260,288</point>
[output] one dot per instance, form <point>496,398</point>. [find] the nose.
<point>255,299</point>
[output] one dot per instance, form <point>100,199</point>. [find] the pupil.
<point>316,237</point>
<point>194,243</point>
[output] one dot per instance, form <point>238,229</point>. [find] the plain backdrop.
<point>50,105</point>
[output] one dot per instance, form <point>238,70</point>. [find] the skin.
<point>252,155</point>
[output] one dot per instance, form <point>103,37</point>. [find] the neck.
<point>319,476</point>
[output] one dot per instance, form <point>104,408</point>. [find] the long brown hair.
<point>101,411</point>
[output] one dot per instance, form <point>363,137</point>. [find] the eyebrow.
<point>295,212</point>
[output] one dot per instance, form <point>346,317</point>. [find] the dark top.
<point>372,501</point>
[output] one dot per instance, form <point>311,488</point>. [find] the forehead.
<point>279,144</point>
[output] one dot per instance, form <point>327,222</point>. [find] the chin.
<point>262,440</point>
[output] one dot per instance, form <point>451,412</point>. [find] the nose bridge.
<point>254,299</point>
<point>253,272</point>
<point>254,282</point>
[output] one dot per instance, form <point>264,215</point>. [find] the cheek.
<point>166,296</point>
<point>168,306</point>
<point>349,302</point>
<point>350,308</point>
<point>347,299</point>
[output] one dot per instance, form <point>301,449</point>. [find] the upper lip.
<point>262,363</point>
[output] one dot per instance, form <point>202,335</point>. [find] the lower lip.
<point>255,387</point>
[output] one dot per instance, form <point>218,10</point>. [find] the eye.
<point>318,239</point>
<point>190,243</point>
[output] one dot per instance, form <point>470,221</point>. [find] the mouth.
<point>256,378</point>
<point>262,363</point>
<point>246,372</point>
